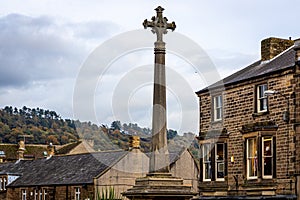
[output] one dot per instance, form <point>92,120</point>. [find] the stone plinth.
<point>156,186</point>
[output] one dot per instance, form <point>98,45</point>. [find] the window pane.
<point>220,160</point>
<point>207,161</point>
<point>220,151</point>
<point>252,148</point>
<point>252,157</point>
<point>268,166</point>
<point>252,167</point>
<point>206,152</point>
<point>207,171</point>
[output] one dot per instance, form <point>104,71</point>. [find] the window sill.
<point>217,121</point>
<point>258,114</point>
<point>259,182</point>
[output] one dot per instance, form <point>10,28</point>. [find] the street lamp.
<point>286,113</point>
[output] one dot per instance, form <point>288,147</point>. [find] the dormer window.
<point>217,108</point>
<point>262,101</point>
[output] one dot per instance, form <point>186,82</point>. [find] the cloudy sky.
<point>45,45</point>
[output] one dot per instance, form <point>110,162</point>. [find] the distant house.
<point>14,152</point>
<point>250,128</point>
<point>84,176</point>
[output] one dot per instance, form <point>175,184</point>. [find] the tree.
<point>116,125</point>
<point>171,134</point>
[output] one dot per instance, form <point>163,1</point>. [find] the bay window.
<point>260,157</point>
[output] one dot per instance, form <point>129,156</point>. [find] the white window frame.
<point>23,191</point>
<point>40,194</point>
<point>260,89</point>
<point>1,181</point>
<point>44,193</point>
<point>218,107</point>
<point>263,157</point>
<point>4,183</point>
<point>208,146</point>
<point>250,158</point>
<point>217,162</point>
<point>36,194</point>
<point>77,193</point>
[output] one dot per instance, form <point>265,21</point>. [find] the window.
<point>213,161</point>
<point>220,165</point>
<point>267,155</point>
<point>251,158</point>
<point>77,193</point>
<point>262,101</point>
<point>23,194</point>
<point>217,112</point>
<point>260,157</point>
<point>206,162</point>
<point>1,183</point>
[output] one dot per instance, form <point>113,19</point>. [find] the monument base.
<point>158,186</point>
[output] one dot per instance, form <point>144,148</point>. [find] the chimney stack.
<point>21,150</point>
<point>50,150</point>
<point>135,142</point>
<point>297,51</point>
<point>271,47</point>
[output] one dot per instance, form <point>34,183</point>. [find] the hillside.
<point>40,126</point>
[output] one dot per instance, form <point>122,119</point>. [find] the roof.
<point>281,62</point>
<point>61,170</point>
<point>10,150</point>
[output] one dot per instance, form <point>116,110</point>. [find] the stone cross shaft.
<point>159,160</point>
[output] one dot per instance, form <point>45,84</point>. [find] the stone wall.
<point>271,47</point>
<point>52,192</point>
<point>186,168</point>
<point>122,176</point>
<point>239,110</point>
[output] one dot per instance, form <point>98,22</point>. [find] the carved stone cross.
<point>159,159</point>
<point>159,24</point>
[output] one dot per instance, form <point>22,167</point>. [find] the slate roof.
<point>281,62</point>
<point>61,170</point>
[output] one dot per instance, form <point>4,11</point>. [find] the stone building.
<point>86,175</point>
<point>249,128</point>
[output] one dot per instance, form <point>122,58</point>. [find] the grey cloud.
<point>41,48</point>
<point>94,29</point>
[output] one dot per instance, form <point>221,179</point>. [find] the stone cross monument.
<point>159,183</point>
<point>159,160</point>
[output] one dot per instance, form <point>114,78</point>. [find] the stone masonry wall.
<point>271,47</point>
<point>238,110</point>
<point>53,192</point>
